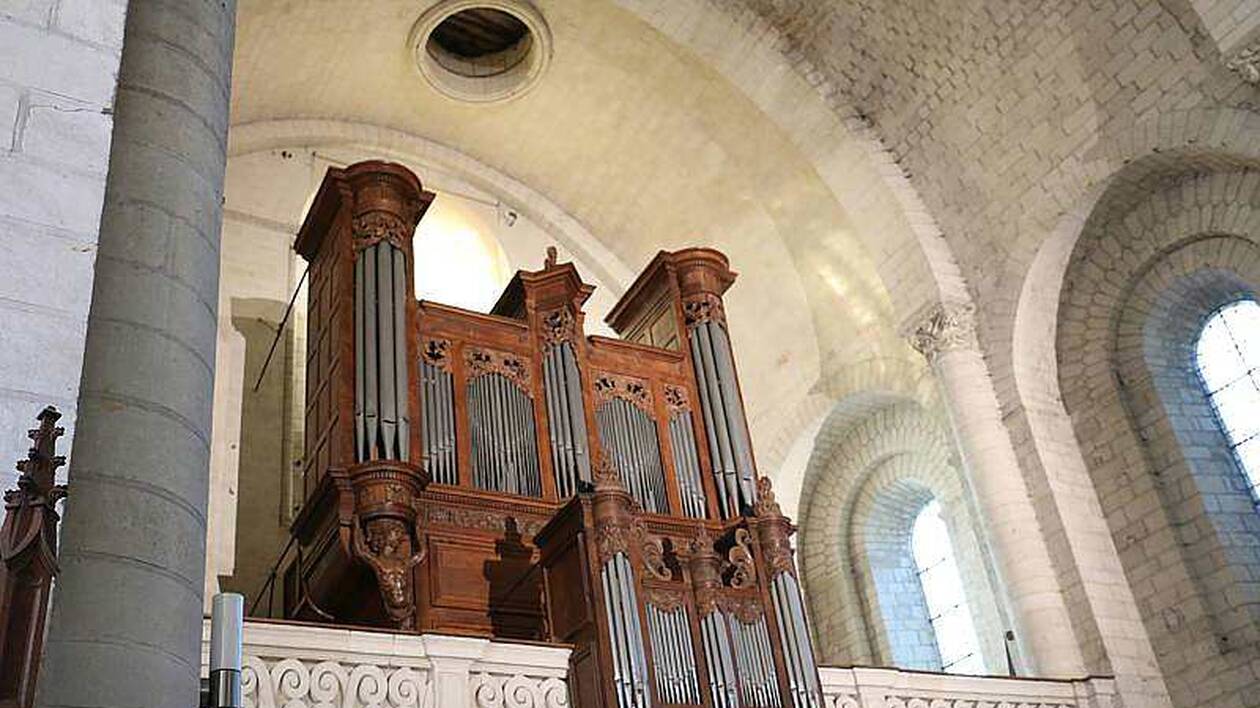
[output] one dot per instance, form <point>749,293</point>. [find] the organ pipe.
<point>566,421</point>
<point>501,425</point>
<point>629,435</point>
<point>382,419</point>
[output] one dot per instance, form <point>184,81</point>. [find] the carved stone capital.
<point>1246,63</point>
<point>945,327</point>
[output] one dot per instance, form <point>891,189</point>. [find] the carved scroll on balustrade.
<point>501,422</point>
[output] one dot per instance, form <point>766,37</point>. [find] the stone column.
<point>947,338</point>
<point>126,619</point>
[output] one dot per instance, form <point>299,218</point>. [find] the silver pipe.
<point>400,354</point>
<point>385,323</point>
<point>576,412</point>
<point>746,677</point>
<point>730,469</point>
<point>675,657</point>
<point>806,648</point>
<point>446,414</point>
<point>426,421</point>
<point>666,655</point>
<point>714,675</point>
<point>725,642</point>
<point>512,479</point>
<point>360,432</point>
<point>786,636</point>
<point>660,666</point>
<point>615,635</point>
<point>639,655</point>
<point>735,412</point>
<point>693,675</point>
<point>767,661</point>
<point>679,622</point>
<point>474,428</point>
<point>370,359</point>
<point>553,424</point>
<point>504,468</point>
<point>710,428</point>
<point>563,413</point>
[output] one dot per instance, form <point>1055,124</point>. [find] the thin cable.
<point>280,330</point>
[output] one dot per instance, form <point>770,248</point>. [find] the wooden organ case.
<point>505,475</point>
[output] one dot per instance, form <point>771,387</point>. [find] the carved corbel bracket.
<point>706,572</point>
<point>385,532</point>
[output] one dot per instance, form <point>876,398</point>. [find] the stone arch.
<point>867,452</point>
<point>1153,261</point>
<point>1130,164</point>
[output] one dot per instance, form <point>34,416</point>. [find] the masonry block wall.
<point>58,71</point>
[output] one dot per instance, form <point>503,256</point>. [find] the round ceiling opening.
<point>481,50</point>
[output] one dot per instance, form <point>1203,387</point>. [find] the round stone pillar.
<point>125,628</point>
<point>946,337</point>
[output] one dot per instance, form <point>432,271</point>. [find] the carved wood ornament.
<point>437,353</point>
<point>628,388</point>
<point>703,307</point>
<point>480,361</point>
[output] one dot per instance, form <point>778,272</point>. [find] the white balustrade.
<point>893,688</point>
<point>304,666</point>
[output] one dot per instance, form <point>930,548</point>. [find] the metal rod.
<point>284,320</point>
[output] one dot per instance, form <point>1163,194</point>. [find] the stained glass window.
<point>1228,355</point>
<point>943,590</point>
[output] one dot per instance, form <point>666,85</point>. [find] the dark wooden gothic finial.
<point>28,560</point>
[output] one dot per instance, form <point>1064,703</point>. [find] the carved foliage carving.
<point>492,521</point>
<point>676,400</point>
<point>665,599</point>
<point>558,326</point>
<point>703,307</point>
<point>375,226</point>
<point>745,609</point>
<point>609,386</point>
<point>437,353</point>
<point>1246,63</point>
<point>766,504</point>
<point>480,361</point>
<point>705,565</point>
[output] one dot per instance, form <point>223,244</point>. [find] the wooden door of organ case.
<point>502,474</point>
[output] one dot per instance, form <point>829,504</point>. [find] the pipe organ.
<point>503,474</point>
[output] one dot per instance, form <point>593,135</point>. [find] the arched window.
<point>943,590</point>
<point>1228,355</point>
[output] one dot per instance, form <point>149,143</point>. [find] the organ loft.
<point>504,475</point>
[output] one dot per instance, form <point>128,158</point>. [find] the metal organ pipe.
<point>682,439</point>
<point>724,417</point>
<point>566,418</point>
<point>382,419</point>
<point>504,448</point>
<point>439,435</point>
<point>625,632</point>
<point>796,641</point>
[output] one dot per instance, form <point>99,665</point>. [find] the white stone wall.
<point>58,71</point>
